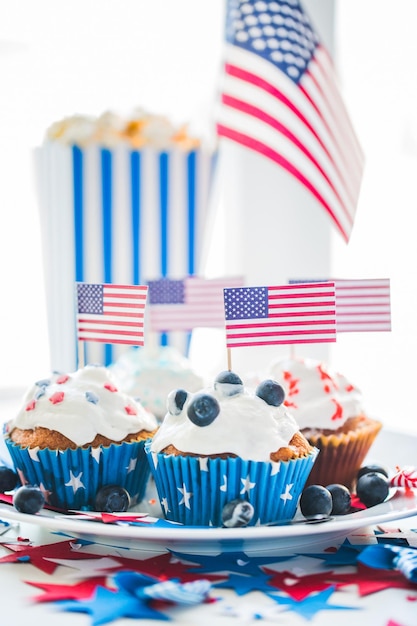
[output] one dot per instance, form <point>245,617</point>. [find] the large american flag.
<point>362,305</point>
<point>184,304</point>
<point>280,98</point>
<point>111,313</point>
<point>285,314</point>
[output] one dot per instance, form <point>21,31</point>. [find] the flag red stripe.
<point>252,143</point>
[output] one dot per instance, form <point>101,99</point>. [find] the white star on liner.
<point>75,482</point>
<point>247,485</point>
<point>186,495</point>
<point>132,465</point>
<point>33,453</point>
<point>286,495</point>
<point>223,487</point>
<point>203,461</point>
<point>96,454</point>
<point>275,467</point>
<point>164,504</point>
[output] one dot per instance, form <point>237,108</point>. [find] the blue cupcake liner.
<point>194,490</point>
<point>70,479</point>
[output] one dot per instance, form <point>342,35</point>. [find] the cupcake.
<point>151,373</point>
<point>76,433</point>
<point>229,444</point>
<point>330,412</point>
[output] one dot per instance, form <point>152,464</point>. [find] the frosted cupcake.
<point>229,443</point>
<point>76,433</point>
<point>330,412</point>
<point>151,373</point>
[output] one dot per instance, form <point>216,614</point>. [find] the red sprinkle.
<point>130,410</point>
<point>57,397</point>
<point>110,387</point>
<point>62,379</point>
<point>31,405</point>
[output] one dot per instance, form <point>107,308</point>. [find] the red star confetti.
<point>298,587</point>
<point>164,567</point>
<point>79,591</point>
<point>369,580</point>
<point>39,555</point>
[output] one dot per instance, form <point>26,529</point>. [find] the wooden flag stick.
<point>81,354</point>
<point>229,359</point>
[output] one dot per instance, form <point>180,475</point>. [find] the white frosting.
<point>81,405</point>
<point>317,396</point>
<point>151,373</point>
<point>246,426</point>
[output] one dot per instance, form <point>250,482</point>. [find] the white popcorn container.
<point>116,215</point>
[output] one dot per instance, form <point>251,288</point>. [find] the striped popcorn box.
<point>116,215</point>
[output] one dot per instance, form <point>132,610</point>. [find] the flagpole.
<point>229,359</point>
<point>81,354</point>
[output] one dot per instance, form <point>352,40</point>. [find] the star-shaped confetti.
<point>346,555</point>
<point>55,592</point>
<point>107,605</point>
<point>369,580</point>
<point>244,584</point>
<point>298,587</point>
<point>39,555</point>
<point>89,568</point>
<point>164,567</point>
<point>311,605</point>
<point>238,562</point>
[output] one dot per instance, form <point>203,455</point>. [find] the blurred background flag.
<point>184,304</point>
<point>285,314</point>
<point>362,305</point>
<point>111,314</point>
<point>279,97</point>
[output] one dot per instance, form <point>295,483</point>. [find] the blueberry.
<point>203,409</point>
<point>237,513</point>
<point>111,499</point>
<point>372,468</point>
<point>372,488</point>
<point>176,401</point>
<point>228,383</point>
<point>341,499</point>
<point>271,392</point>
<point>8,479</point>
<point>316,501</point>
<point>28,499</point>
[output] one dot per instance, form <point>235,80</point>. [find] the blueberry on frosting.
<point>271,392</point>
<point>203,409</point>
<point>176,401</point>
<point>228,383</point>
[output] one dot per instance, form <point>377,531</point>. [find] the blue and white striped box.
<point>116,215</point>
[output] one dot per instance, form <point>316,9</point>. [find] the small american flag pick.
<point>362,305</point>
<point>184,304</point>
<point>111,313</point>
<point>280,98</point>
<point>285,314</point>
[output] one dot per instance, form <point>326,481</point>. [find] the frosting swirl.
<point>82,405</point>
<point>317,396</point>
<point>245,425</point>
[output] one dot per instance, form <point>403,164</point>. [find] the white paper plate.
<point>289,538</point>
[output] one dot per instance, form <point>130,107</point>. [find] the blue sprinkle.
<point>91,397</point>
<point>41,392</point>
<point>43,383</point>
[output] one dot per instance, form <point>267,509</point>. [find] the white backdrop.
<point>90,56</point>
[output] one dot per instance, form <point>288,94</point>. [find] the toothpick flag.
<point>188,303</point>
<point>362,305</point>
<point>286,314</point>
<point>111,313</point>
<point>280,98</point>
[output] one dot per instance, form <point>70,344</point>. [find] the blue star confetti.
<point>237,562</point>
<point>244,584</point>
<point>311,605</point>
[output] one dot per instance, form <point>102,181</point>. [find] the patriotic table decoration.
<point>114,214</point>
<point>279,98</point>
<point>187,303</point>
<point>284,314</point>
<point>111,314</point>
<point>362,305</point>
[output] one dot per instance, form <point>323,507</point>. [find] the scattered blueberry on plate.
<point>8,479</point>
<point>28,499</point>
<point>372,488</point>
<point>112,499</point>
<point>237,513</point>
<point>316,501</point>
